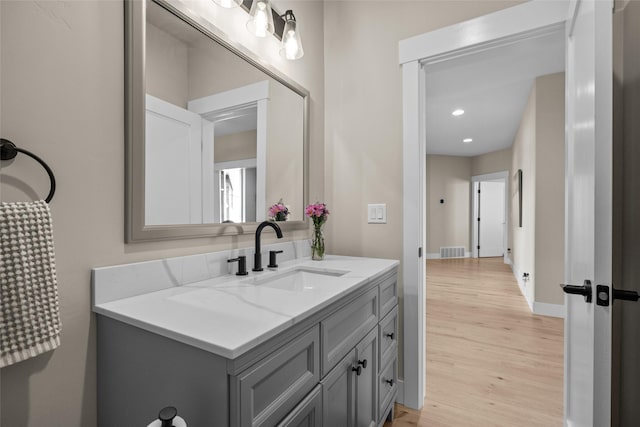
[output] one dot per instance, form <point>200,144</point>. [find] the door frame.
<point>504,176</point>
<point>530,19</point>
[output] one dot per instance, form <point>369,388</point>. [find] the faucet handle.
<point>272,259</point>
<point>242,265</point>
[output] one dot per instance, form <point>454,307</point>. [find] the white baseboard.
<point>541,308</point>
<point>522,285</point>
<point>546,309</point>
<point>507,261</point>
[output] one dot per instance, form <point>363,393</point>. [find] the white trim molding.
<point>546,309</point>
<point>526,20</point>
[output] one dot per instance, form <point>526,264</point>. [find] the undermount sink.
<point>298,279</point>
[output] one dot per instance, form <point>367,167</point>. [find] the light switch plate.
<point>377,213</point>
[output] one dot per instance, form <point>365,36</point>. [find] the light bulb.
<point>261,21</point>
<point>291,47</point>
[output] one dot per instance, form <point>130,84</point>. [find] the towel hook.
<point>8,151</point>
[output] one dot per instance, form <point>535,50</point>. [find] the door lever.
<point>602,292</point>
<point>584,290</point>
<point>625,295</point>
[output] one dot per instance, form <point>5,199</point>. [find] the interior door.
<point>491,219</point>
<point>588,220</point>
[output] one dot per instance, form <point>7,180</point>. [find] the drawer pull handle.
<point>389,335</point>
<point>363,363</point>
<point>390,382</point>
<point>357,370</point>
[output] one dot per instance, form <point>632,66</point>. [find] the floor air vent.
<point>452,252</point>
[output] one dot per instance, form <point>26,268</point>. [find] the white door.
<point>588,221</point>
<point>491,219</point>
<point>173,163</point>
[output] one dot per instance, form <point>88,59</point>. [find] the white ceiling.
<point>236,120</point>
<point>492,87</point>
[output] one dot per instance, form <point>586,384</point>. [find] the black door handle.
<point>584,290</point>
<point>625,295</point>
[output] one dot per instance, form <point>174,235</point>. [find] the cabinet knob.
<point>357,370</point>
<point>390,382</point>
<point>363,363</point>
<point>389,335</point>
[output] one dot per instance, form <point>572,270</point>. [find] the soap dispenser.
<point>168,417</point>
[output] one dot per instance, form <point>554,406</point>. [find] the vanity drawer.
<point>387,386</point>
<point>342,330</point>
<point>388,337</point>
<point>388,294</point>
<point>308,413</point>
<point>266,392</point>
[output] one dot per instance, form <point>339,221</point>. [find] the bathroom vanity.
<point>313,343</point>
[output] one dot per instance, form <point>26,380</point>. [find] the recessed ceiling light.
<point>467,140</point>
<point>458,112</point>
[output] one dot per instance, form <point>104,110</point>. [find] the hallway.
<point>490,361</point>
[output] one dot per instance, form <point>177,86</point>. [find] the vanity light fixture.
<point>291,46</point>
<point>260,21</point>
<point>457,112</point>
<point>467,140</point>
<point>228,4</point>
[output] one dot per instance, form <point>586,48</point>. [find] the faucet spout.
<point>257,258</point>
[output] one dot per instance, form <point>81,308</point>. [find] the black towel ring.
<point>8,151</point>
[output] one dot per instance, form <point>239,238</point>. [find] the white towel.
<point>29,314</point>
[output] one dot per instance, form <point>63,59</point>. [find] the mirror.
<point>214,137</point>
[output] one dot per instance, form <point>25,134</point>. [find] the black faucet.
<point>257,258</point>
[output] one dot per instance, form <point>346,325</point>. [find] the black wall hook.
<point>8,151</point>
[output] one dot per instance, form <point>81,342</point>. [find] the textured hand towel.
<point>29,314</point>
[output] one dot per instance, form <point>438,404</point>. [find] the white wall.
<point>62,85</point>
<point>524,158</point>
<point>448,223</point>
<point>538,246</point>
<point>549,203</point>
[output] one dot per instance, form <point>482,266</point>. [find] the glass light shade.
<point>228,4</point>
<point>260,21</point>
<point>291,46</point>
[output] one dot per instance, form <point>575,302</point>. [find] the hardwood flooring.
<point>490,361</point>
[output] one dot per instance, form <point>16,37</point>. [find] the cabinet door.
<point>341,331</point>
<point>266,392</point>
<point>367,380</point>
<point>338,393</point>
<point>308,413</point>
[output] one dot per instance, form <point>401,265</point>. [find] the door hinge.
<point>478,219</point>
<point>420,252</point>
<point>478,191</point>
<point>478,247</point>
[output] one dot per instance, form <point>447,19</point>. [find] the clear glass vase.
<point>317,244</point>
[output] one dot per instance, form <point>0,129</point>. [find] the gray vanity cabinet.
<point>308,413</point>
<point>367,381</point>
<point>270,389</point>
<point>335,368</point>
<point>350,395</point>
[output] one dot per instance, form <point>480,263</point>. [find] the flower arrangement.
<point>279,212</point>
<point>318,213</point>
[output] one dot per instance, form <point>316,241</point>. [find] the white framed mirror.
<point>214,137</point>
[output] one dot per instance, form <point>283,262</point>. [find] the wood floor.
<point>490,361</point>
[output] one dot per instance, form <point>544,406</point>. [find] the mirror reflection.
<point>223,140</point>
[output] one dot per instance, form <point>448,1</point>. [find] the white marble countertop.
<point>229,315</point>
